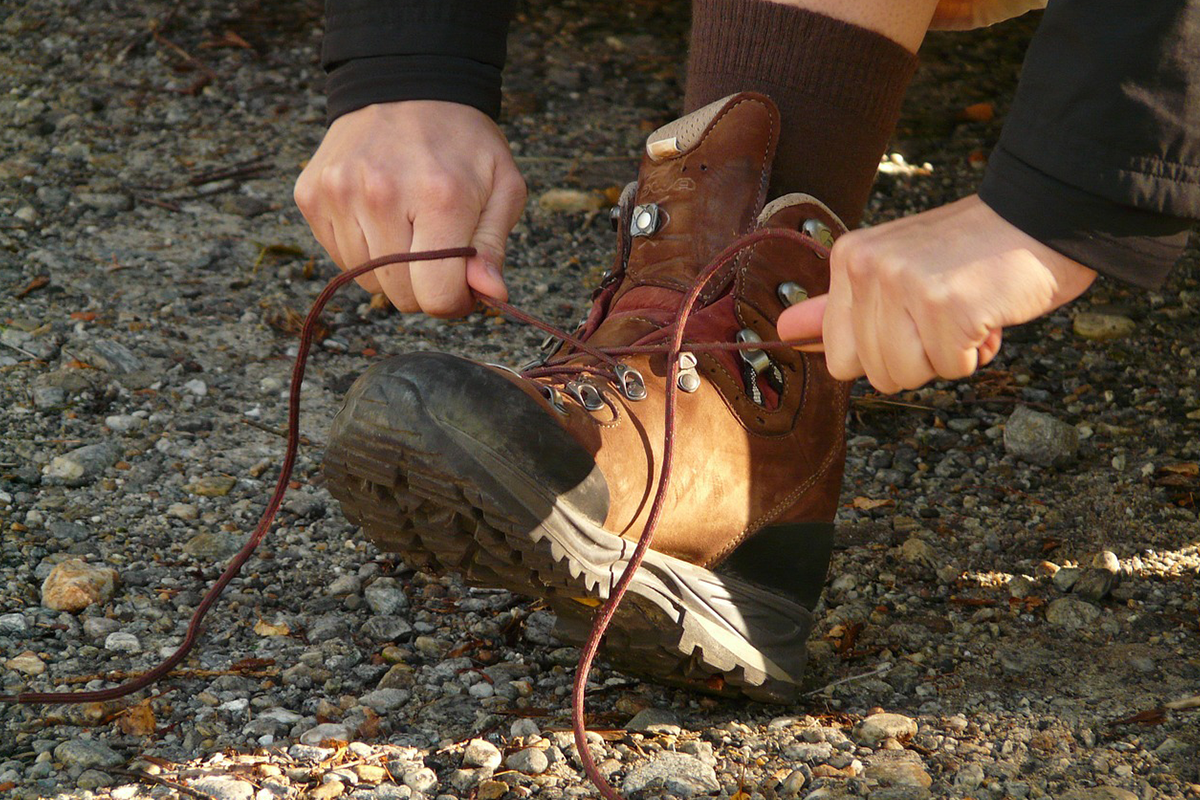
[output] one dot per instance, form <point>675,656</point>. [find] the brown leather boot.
<point>542,484</point>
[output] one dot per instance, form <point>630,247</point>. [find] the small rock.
<point>1103,327</point>
<point>385,597</point>
<point>898,768</point>
<point>81,465</point>
<point>1107,561</point>
<point>481,753</point>
<point>1071,613</point>
<point>523,728</point>
<point>13,625</point>
<point>793,784</point>
<point>110,356</point>
<point>1100,793</point>
<point>124,423</point>
<point>196,387</point>
<point>122,643</point>
<point>212,486</point>
<point>531,761</point>
<point>86,753</point>
<point>224,788</point>
<point>491,790</point>
<point>676,773</point>
<point>969,777</point>
<point>384,700</point>
<point>421,779</point>
<point>328,790</point>
<point>99,627</point>
<point>1095,584</point>
<point>27,662</point>
<point>73,586</point>
<point>345,584</point>
<point>371,773</point>
<point>185,511</point>
<point>93,779</point>
<point>570,201</point>
<point>653,720</point>
<point>877,727</point>
<point>1021,586</point>
<point>218,544</point>
<point>106,202</point>
<point>326,730</point>
<point>918,551</point>
<point>386,629</point>
<point>1065,578</point>
<point>1040,438</point>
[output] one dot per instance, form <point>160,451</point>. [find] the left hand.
<point>927,296</point>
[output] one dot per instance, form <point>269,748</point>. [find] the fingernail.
<point>811,348</point>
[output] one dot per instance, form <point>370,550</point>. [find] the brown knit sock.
<point>838,87</point>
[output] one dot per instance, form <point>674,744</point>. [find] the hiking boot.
<point>541,484</point>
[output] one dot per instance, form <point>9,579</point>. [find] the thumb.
<point>804,321</point>
<point>484,270</point>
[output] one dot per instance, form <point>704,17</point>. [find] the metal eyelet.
<point>554,396</point>
<point>614,217</point>
<point>630,382</point>
<point>645,220</point>
<point>755,358</point>
<point>689,378</point>
<point>819,232</point>
<point>586,394</point>
<point>791,293</point>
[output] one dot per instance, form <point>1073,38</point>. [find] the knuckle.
<point>379,190</point>
<point>336,182</point>
<point>440,192</point>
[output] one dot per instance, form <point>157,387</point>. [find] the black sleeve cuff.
<point>1120,241</point>
<point>385,79</point>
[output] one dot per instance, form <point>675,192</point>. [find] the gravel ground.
<point>1019,552</point>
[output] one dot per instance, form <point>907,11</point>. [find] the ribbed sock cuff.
<point>838,87</point>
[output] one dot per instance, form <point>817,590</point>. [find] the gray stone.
<point>386,629</point>
<point>1071,613</point>
<point>81,465</point>
<point>898,768</point>
<point>326,730</point>
<point>1065,578</point>
<point>124,423</point>
<point>877,727</point>
<point>86,753</point>
<point>1021,586</point>
<point>654,720</point>
<point>421,779</point>
<point>524,727</point>
<point>813,753</point>
<point>93,779</point>
<point>122,642</point>
<point>531,761</point>
<point>1100,793</point>
<point>224,788</point>
<point>1102,327</point>
<point>679,774</point>
<point>110,356</point>
<point>539,628</point>
<point>1040,438</point>
<point>384,700</point>
<point>106,202</point>
<point>1095,584</point>
<point>481,753</point>
<point>99,627</point>
<point>184,511</point>
<point>385,597</point>
<point>68,530</point>
<point>49,396</point>
<point>793,784</point>
<point>1108,561</point>
<point>214,544</point>
<point>969,777</point>
<point>13,625</point>
<point>345,584</point>
<point>328,626</point>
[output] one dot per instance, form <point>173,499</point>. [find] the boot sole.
<point>428,491</point>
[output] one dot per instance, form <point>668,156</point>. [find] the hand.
<point>927,296</point>
<point>409,176</point>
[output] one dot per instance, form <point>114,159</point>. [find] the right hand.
<point>411,176</point>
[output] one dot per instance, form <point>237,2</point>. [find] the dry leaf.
<point>138,721</point>
<point>34,285</point>
<point>1191,468</point>
<point>867,503</point>
<point>264,628</point>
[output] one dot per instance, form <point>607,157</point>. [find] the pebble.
<point>385,597</point>
<point>1066,578</point>
<point>676,773</point>
<point>86,753</point>
<point>491,790</point>
<point>124,423</point>
<point>74,585</point>
<point>122,643</point>
<point>218,544</point>
<point>1103,327</point>
<point>531,761</point>
<point>110,356</point>
<point>212,486</point>
<point>224,788</point>
<point>184,511</point>
<point>93,779</point>
<point>897,768</point>
<point>1107,561</point>
<point>384,700</point>
<point>13,625</point>
<point>878,727</point>
<point>345,584</point>
<point>421,779</point>
<point>1021,586</point>
<point>1095,584</point>
<point>918,551</point>
<point>27,662</point>
<point>1040,438</point>
<point>524,728</point>
<point>328,790</point>
<point>106,202</point>
<point>326,730</point>
<point>386,629</point>
<point>81,465</point>
<point>99,627</point>
<point>1100,793</point>
<point>196,387</point>
<point>481,753</point>
<point>1071,613</point>
<point>654,720</point>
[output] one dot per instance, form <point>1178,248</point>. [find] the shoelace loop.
<point>606,356</point>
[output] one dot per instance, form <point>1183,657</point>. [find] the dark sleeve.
<point>1100,155</point>
<point>378,51</point>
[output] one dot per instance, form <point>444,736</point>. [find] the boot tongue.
<point>702,184</point>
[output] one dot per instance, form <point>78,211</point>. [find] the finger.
<point>500,215</point>
<point>440,287</point>
<point>351,246</point>
<point>990,347</point>
<point>870,324</point>
<point>837,330</point>
<point>388,236</point>
<point>804,321</point>
<point>905,353</point>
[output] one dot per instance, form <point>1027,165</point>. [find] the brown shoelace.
<point>605,356</point>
